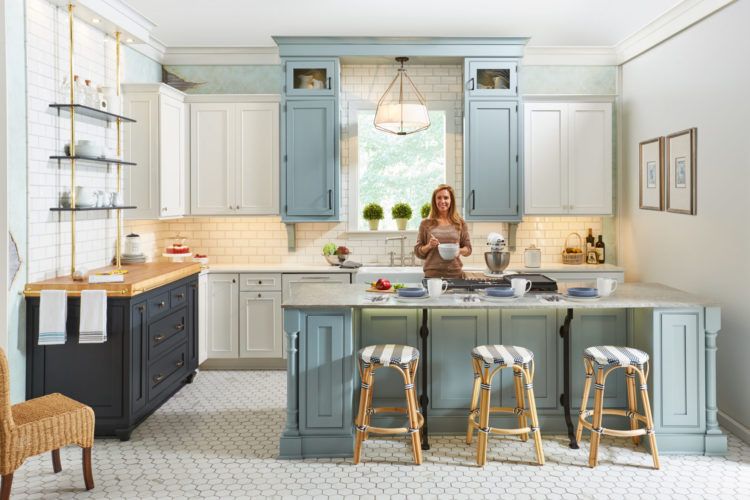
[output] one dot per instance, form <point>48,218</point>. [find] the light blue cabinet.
<point>310,77</point>
<point>491,169</point>
<point>491,77</point>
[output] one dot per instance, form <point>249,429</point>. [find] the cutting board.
<point>390,290</point>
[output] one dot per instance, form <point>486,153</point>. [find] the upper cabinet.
<point>491,77</point>
<point>568,158</point>
<point>157,143</point>
<point>310,176</point>
<point>234,155</point>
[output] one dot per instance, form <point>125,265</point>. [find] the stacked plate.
<point>407,294</point>
<point>582,294</point>
<point>499,294</point>
<point>133,259</point>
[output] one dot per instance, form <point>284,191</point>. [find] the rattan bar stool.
<point>403,359</point>
<point>603,360</point>
<point>488,360</point>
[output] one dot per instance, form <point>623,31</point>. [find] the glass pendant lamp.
<point>402,110</point>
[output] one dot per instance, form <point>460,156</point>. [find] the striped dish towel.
<point>93,326</point>
<point>53,314</point>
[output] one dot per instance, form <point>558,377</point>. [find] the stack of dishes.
<point>582,294</point>
<point>407,294</point>
<point>499,294</point>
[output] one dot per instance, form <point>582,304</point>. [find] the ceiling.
<point>251,23</point>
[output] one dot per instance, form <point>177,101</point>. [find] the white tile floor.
<point>218,438</point>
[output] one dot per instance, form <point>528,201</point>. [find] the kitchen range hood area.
<point>250,256</point>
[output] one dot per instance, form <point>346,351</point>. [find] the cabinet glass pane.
<point>493,78</point>
<point>310,78</point>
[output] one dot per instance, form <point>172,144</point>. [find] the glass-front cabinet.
<point>491,77</point>
<point>310,77</point>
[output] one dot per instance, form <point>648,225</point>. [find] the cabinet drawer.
<point>158,305</point>
<point>259,282</point>
<point>167,370</point>
<point>178,296</point>
<point>166,333</point>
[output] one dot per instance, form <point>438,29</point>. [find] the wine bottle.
<point>589,242</point>
<point>600,250</point>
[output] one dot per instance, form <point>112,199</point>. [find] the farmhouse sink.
<point>368,274</point>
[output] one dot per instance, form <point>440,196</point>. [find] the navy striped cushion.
<point>502,355</point>
<point>386,354</point>
<point>614,355</point>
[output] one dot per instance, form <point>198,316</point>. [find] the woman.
<point>443,225</point>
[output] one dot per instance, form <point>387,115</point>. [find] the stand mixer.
<point>498,258</point>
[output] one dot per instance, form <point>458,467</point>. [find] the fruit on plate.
<point>329,249</point>
<point>381,284</point>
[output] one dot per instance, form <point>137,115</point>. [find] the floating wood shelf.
<point>91,112</point>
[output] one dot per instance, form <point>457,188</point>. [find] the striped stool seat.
<point>609,355</point>
<point>502,355</point>
<point>388,354</point>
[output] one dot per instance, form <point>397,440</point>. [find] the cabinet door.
<point>590,164</point>
<point>536,330</point>
<point>257,158</point>
<point>545,160</point>
<point>290,280</point>
<point>138,356</point>
<point>223,318</point>
<point>141,145</point>
<point>260,325</point>
<point>453,334</point>
<point>172,156</point>
<point>492,161</point>
<point>488,77</point>
<point>212,152</point>
<point>313,77</point>
<point>310,155</point>
<point>202,318</point>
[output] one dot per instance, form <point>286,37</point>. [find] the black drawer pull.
<point>180,296</point>
<point>141,308</point>
<point>162,304</point>
<point>158,338</point>
<point>179,326</point>
<point>158,378</point>
<point>179,364</point>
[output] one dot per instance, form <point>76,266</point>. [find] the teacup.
<point>436,287</point>
<point>606,286</point>
<point>520,286</point>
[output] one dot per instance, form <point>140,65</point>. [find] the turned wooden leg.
<point>484,418</point>
<point>411,407</point>
<point>474,401</point>
<point>584,401</point>
<point>649,420</point>
<point>88,476</point>
<point>632,401</point>
<point>518,384</point>
<point>536,432</point>
<point>56,465</point>
<point>368,414</point>
<point>596,422</point>
<point>6,484</point>
<point>364,395</point>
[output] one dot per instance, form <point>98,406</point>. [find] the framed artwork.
<point>651,174</point>
<point>682,185</point>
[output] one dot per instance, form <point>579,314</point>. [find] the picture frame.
<point>651,174</point>
<point>681,172</point>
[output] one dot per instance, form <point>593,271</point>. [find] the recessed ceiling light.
<point>129,40</point>
<point>95,20</point>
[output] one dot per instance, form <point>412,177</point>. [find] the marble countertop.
<point>627,295</point>
<point>276,268</point>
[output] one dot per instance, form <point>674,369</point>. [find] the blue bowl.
<point>411,292</point>
<point>499,291</point>
<point>583,292</point>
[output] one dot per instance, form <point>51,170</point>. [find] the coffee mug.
<point>606,286</point>
<point>436,287</point>
<point>117,199</point>
<point>520,286</point>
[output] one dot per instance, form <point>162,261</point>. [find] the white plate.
<point>407,299</point>
<point>499,275</point>
<point>490,298</point>
<point>581,299</point>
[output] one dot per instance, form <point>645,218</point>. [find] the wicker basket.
<point>573,258</point>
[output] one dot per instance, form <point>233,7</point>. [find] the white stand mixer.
<point>498,258</point>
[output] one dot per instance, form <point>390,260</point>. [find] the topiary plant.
<point>425,210</point>
<point>373,211</point>
<point>401,211</point>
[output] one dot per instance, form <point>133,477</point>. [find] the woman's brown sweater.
<point>434,266</point>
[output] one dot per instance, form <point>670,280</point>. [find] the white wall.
<point>699,78</point>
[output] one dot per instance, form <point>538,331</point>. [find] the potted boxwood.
<point>425,210</point>
<point>373,213</point>
<point>401,213</point>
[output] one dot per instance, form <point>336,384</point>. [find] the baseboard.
<point>735,427</point>
<point>244,364</point>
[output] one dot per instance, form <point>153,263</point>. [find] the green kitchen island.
<point>325,326</point>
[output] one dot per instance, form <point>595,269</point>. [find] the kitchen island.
<point>325,326</point>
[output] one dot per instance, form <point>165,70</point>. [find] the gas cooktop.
<point>539,282</point>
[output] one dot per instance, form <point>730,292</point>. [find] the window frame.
<point>354,107</point>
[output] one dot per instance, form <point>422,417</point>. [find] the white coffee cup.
<point>520,286</point>
<point>436,287</point>
<point>606,286</point>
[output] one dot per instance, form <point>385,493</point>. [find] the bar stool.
<point>605,359</point>
<point>403,359</point>
<point>484,359</point>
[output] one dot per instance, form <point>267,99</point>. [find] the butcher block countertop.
<point>140,278</point>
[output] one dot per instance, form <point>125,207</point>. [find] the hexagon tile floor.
<point>218,438</point>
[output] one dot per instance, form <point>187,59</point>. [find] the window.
<point>389,169</point>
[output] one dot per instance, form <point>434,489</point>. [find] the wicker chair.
<point>43,424</point>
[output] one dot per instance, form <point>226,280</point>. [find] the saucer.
<point>408,299</point>
<point>490,298</point>
<point>581,299</point>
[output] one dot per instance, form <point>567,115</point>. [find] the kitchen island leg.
<point>565,396</point>
<point>424,401</point>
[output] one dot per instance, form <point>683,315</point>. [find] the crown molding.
<point>569,56</point>
<point>675,20</point>
<point>114,15</point>
<point>194,98</point>
<point>221,55</point>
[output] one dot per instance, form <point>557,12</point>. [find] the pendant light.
<point>402,110</point>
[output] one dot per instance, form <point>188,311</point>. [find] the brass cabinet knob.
<point>179,364</point>
<point>179,326</point>
<point>162,304</point>
<point>158,338</point>
<point>158,378</point>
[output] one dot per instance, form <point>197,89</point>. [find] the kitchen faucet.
<point>402,240</point>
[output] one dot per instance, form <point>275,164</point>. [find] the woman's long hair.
<point>453,215</point>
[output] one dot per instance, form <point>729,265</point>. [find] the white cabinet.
<point>568,158</point>
<point>222,317</point>
<point>234,155</point>
<point>157,143</point>
<point>291,280</point>
<point>260,325</point>
<point>202,317</point>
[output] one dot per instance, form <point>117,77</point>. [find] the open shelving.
<point>93,159</point>
<point>89,209</point>
<point>81,109</point>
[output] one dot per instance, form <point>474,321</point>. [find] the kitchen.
<point>216,167</point>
